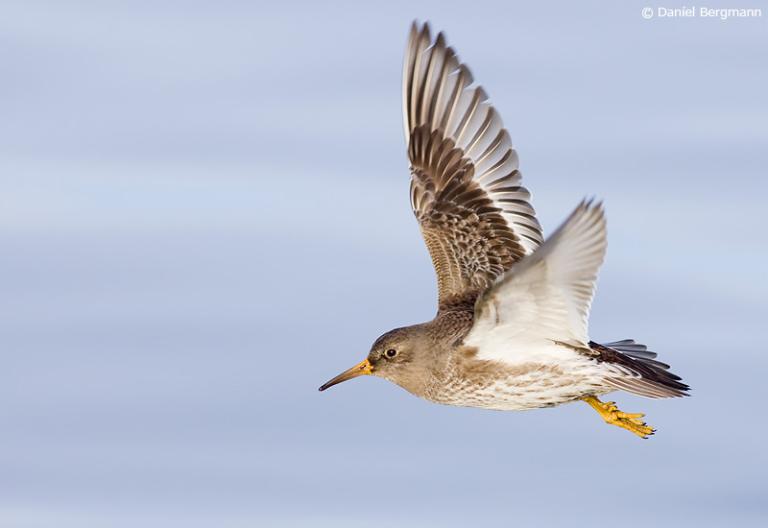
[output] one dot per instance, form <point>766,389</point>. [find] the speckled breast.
<point>526,386</point>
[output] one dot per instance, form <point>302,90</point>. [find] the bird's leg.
<point>612,415</point>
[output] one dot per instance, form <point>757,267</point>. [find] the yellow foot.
<point>612,415</point>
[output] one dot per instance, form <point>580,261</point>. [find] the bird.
<point>511,329</point>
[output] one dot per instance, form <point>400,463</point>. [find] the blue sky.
<point>204,215</point>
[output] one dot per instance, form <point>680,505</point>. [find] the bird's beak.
<point>363,368</point>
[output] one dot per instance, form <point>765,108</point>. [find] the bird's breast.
<point>492,385</point>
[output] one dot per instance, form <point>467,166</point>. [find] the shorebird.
<point>511,327</point>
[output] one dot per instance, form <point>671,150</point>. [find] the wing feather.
<point>545,297</point>
<point>465,186</point>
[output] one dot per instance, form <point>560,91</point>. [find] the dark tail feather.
<point>628,347</point>
<point>653,381</point>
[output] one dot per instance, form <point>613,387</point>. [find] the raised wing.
<point>547,295</point>
<point>465,187</point>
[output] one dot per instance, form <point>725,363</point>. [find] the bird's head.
<point>395,356</point>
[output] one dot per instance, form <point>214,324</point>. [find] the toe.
<point>630,416</point>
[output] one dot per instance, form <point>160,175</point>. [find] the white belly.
<point>542,379</point>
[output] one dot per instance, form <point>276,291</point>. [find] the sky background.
<point>204,215</point>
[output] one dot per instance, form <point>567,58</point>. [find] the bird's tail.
<point>652,378</point>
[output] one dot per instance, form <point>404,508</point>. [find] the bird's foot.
<point>612,415</point>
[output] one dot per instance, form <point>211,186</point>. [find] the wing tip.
<point>589,210</point>
<point>591,202</point>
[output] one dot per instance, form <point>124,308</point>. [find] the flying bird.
<point>511,327</point>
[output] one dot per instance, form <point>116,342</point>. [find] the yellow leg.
<point>612,415</point>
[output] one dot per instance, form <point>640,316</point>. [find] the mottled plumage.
<point>465,183</point>
<point>511,332</point>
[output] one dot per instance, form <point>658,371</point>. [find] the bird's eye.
<point>390,353</point>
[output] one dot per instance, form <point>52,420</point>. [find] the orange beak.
<point>364,368</point>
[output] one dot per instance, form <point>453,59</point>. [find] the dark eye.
<point>390,353</point>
